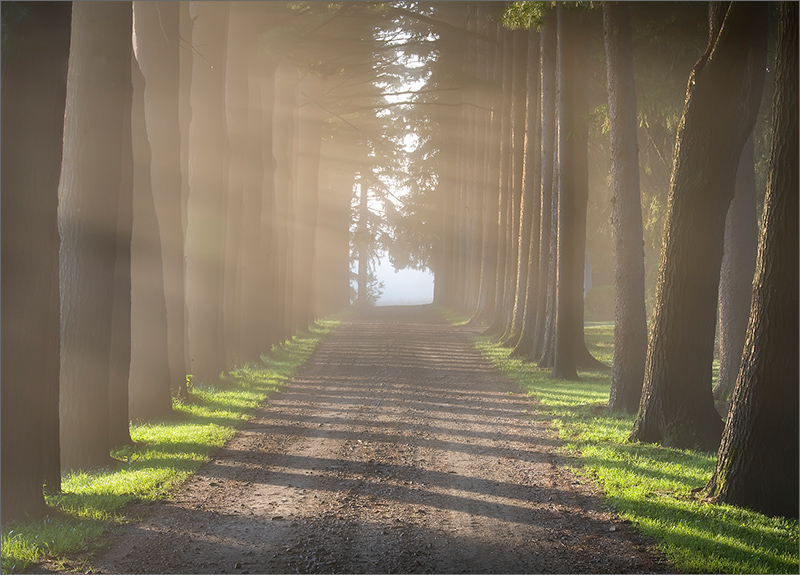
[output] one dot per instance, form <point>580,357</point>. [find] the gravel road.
<point>396,449</point>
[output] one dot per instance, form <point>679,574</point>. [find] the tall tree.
<point>99,68</point>
<point>157,32</point>
<point>757,463</point>
<point>205,210</point>
<point>149,383</point>
<point>630,321</point>
<point>736,273</point>
<point>722,97</point>
<point>35,52</point>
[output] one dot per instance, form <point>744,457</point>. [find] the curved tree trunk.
<point>757,464</point>
<point>99,64</point>
<point>677,407</point>
<point>630,317</point>
<point>736,273</point>
<point>36,45</point>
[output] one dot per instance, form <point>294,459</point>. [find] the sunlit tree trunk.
<point>722,98</point>
<point>504,179</point>
<point>157,30</point>
<point>547,105</point>
<point>184,121</point>
<point>283,146</point>
<point>630,320</point>
<point>120,355</point>
<point>309,140</point>
<point>528,261</point>
<point>205,248</point>
<point>36,46</point>
<point>757,463</point>
<point>488,282</point>
<point>736,272</point>
<point>99,66</point>
<point>149,384</point>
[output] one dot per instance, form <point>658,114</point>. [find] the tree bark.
<point>149,384</point>
<point>630,319</point>
<point>547,105</point>
<point>99,68</point>
<point>677,407</point>
<point>157,29</point>
<point>205,248</point>
<point>35,52</point>
<point>736,273</point>
<point>757,463</point>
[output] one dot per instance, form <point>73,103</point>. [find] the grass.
<point>650,485</point>
<point>165,454</point>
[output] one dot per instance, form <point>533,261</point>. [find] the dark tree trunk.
<point>736,273</point>
<point>630,319</point>
<point>205,209</point>
<point>99,65</point>
<point>722,98</point>
<point>572,195</point>
<point>149,384</point>
<point>757,464</point>
<point>35,52</point>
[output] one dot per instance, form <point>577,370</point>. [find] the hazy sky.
<point>406,287</point>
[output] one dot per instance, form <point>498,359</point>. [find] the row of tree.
<point>177,186</point>
<point>514,193</point>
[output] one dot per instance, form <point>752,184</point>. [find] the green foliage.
<point>165,454</point>
<point>649,485</point>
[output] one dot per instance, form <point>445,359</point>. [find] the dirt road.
<point>396,449</point>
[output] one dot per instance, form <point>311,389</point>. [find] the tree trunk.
<point>185,120</point>
<point>527,292</point>
<point>99,65</point>
<point>757,464</point>
<point>205,226</point>
<point>119,433</point>
<point>677,407</point>
<point>630,319</point>
<point>547,105</point>
<point>157,28</point>
<point>36,46</point>
<point>572,195</point>
<point>736,273</point>
<point>149,384</point>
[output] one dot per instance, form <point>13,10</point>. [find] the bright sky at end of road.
<point>404,287</point>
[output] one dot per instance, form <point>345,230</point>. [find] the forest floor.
<point>396,449</point>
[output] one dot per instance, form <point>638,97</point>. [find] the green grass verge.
<point>166,454</point>
<point>647,484</point>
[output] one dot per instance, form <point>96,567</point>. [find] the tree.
<point>35,52</point>
<point>157,29</point>
<point>736,273</point>
<point>149,383</point>
<point>722,97</point>
<point>99,69</point>
<point>205,216</point>
<point>757,462</point>
<point>630,321</point>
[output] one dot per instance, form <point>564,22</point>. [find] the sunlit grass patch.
<point>164,455</point>
<point>649,485</point>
